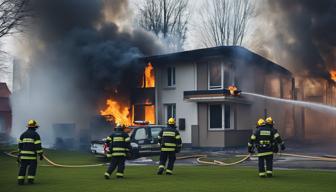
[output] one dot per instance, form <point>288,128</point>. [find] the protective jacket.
<point>119,144</point>
<point>266,139</point>
<point>170,139</point>
<point>29,145</point>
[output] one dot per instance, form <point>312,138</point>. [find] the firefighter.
<point>171,143</point>
<point>119,145</point>
<point>264,139</point>
<point>29,147</point>
<point>277,139</point>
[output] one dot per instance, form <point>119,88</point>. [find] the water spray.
<point>310,105</point>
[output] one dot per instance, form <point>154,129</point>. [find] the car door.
<point>141,137</point>
<point>154,133</point>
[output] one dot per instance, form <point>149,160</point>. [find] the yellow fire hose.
<point>199,160</point>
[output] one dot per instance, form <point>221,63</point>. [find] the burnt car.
<point>144,141</point>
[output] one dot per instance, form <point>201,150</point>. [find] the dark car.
<point>144,141</point>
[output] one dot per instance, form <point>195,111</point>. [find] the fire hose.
<point>199,158</point>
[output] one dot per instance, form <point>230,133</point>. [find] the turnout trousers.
<point>31,165</point>
<point>119,163</point>
<point>164,156</point>
<point>268,159</point>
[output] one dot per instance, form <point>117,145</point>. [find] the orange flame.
<point>232,89</point>
<point>149,79</point>
<point>333,75</point>
<point>149,111</point>
<point>117,113</point>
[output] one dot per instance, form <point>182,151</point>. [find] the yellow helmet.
<point>269,121</point>
<point>32,124</point>
<point>171,121</point>
<point>260,122</point>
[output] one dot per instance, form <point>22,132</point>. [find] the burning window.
<point>148,77</point>
<point>117,113</point>
<point>333,75</point>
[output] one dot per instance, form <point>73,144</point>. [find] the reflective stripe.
<point>27,152</point>
<point>27,158</point>
<point>118,139</point>
<point>127,139</point>
<point>108,139</point>
<point>178,137</point>
<point>30,177</point>
<point>269,172</point>
<point>253,137</point>
<point>170,144</point>
<point>167,149</point>
<point>37,142</point>
<point>120,174</point>
<point>265,153</point>
<point>119,149</point>
<point>262,174</point>
<point>249,144</point>
<point>169,133</point>
<point>109,155</point>
<point>265,133</point>
<point>161,167</point>
<point>19,140</point>
<point>169,171</point>
<point>118,154</point>
<point>39,151</point>
<point>21,177</point>
<point>27,140</point>
<point>276,135</point>
<point>107,174</point>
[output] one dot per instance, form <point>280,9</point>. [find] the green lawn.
<point>143,178</point>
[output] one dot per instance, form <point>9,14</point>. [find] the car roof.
<point>141,126</point>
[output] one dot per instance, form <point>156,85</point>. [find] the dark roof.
<point>231,51</point>
<point>4,91</point>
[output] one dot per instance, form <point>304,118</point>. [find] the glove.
<point>283,147</point>
<point>41,157</point>
<point>251,150</point>
<point>275,148</point>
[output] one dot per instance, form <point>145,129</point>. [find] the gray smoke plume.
<point>79,56</point>
<point>302,35</point>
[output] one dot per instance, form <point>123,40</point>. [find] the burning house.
<point>190,86</point>
<point>5,112</point>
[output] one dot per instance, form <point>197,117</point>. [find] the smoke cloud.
<point>78,54</point>
<point>299,34</point>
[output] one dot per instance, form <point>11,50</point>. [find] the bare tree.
<point>224,22</point>
<point>12,16</point>
<point>167,19</point>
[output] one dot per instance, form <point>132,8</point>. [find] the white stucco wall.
<point>185,81</point>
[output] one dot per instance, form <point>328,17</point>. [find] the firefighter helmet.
<point>171,121</point>
<point>260,122</point>
<point>269,121</point>
<point>32,124</point>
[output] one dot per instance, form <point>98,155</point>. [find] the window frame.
<point>222,77</point>
<point>166,110</point>
<point>232,115</point>
<point>172,73</point>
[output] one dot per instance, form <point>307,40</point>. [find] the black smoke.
<point>79,56</point>
<point>305,34</point>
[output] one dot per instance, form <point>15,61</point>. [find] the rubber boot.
<point>107,176</point>
<point>30,181</point>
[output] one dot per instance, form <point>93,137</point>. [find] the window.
<point>170,111</point>
<point>215,113</point>
<point>155,132</point>
<point>220,116</point>
<point>141,134</point>
<point>215,76</point>
<point>171,77</point>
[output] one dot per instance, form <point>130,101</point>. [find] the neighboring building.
<point>189,86</point>
<point>5,110</point>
